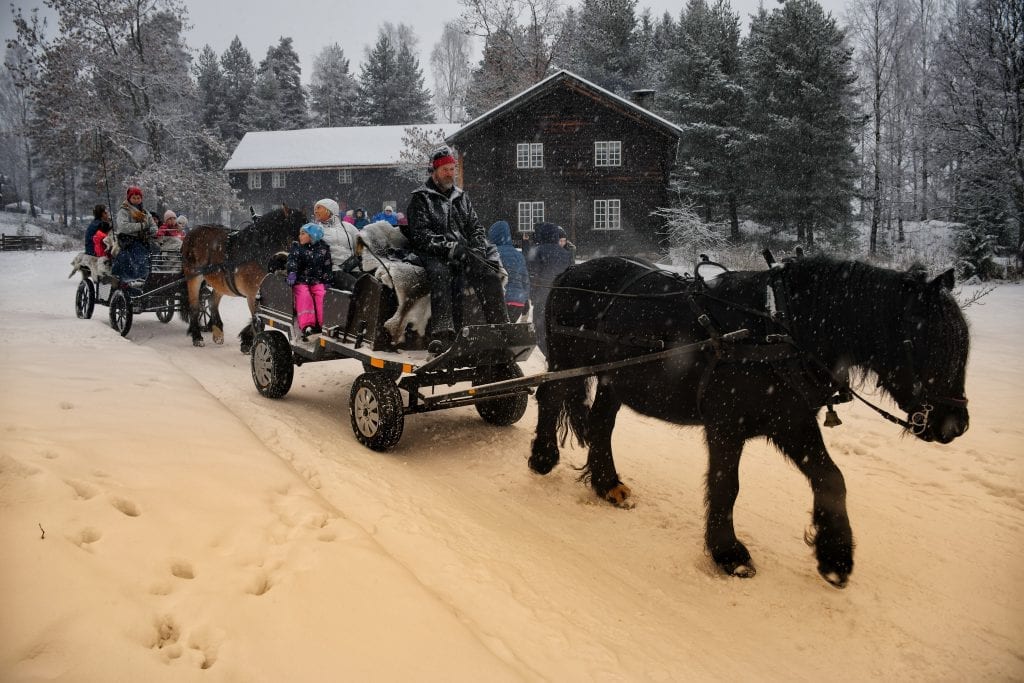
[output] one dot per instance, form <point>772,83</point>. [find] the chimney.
<point>641,96</point>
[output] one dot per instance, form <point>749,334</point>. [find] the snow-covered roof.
<point>313,148</point>
<point>564,75</point>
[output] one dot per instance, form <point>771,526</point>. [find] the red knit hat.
<point>134,189</point>
<point>440,157</point>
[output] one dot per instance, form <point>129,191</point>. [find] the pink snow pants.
<point>309,303</point>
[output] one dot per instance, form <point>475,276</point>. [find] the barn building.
<point>569,152</point>
<point>360,167</point>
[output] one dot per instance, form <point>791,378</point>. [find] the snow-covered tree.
<point>608,51</point>
<point>210,84</point>
<point>980,79</point>
<point>521,41</point>
<point>449,61</point>
<point>391,89</point>
<point>239,75</point>
<point>702,93</point>
<point>279,77</point>
<point>127,105</point>
<point>687,234</point>
<point>801,113</point>
<point>332,89</point>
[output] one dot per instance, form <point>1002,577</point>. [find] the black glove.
<point>352,263</point>
<point>457,252</point>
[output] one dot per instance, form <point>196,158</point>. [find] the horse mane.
<point>274,231</point>
<point>850,313</point>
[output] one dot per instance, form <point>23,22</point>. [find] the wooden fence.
<point>20,242</point>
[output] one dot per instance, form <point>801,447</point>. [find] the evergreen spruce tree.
<point>279,74</point>
<point>801,112</point>
<point>210,83</point>
<point>414,99</point>
<point>332,89</point>
<point>239,74</point>
<point>608,54</point>
<point>702,93</point>
<point>377,104</point>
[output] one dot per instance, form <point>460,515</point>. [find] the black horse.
<point>234,264</point>
<point>811,322</point>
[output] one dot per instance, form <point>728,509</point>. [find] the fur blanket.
<point>383,245</point>
<point>383,249</point>
<point>95,266</point>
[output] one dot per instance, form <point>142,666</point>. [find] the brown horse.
<point>233,263</point>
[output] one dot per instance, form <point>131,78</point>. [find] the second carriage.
<point>162,292</point>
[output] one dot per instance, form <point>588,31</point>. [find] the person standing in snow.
<point>359,219</point>
<point>447,237</point>
<point>517,289</point>
<point>545,261</point>
<point>342,238</point>
<point>309,272</point>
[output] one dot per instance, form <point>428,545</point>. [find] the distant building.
<point>357,166</point>
<point>570,152</point>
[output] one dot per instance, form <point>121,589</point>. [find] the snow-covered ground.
<point>161,521</point>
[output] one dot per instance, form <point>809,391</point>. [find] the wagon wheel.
<point>205,309</point>
<point>166,313</point>
<point>506,410</point>
<point>271,360</point>
<point>85,299</point>
<point>120,312</point>
<point>375,406</point>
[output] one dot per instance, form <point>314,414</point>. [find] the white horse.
<point>409,282</point>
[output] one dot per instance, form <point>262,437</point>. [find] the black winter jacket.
<point>437,222</point>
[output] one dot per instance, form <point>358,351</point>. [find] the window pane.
<point>523,155</point>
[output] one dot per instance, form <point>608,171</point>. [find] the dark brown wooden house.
<point>359,167</point>
<point>569,152</point>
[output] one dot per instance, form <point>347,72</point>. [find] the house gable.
<point>603,196</point>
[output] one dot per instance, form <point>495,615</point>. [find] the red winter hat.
<point>134,189</point>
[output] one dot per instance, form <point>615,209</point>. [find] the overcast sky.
<point>313,24</point>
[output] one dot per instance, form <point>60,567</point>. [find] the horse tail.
<point>574,413</point>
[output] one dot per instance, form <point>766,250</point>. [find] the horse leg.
<point>544,449</point>
<point>216,324</point>
<point>600,469</point>
<point>831,533</point>
<point>248,332</point>
<point>722,486</point>
<point>194,286</point>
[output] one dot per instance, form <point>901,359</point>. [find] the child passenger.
<point>309,273</point>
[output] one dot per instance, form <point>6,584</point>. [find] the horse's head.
<point>927,380</point>
<point>282,225</point>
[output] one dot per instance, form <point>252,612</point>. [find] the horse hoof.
<point>198,342</point>
<point>218,341</point>
<point>619,497</point>
<point>743,571</point>
<point>836,579</point>
<point>245,349</point>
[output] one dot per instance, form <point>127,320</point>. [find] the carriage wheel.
<point>120,312</point>
<point>85,299</point>
<point>271,360</point>
<point>503,411</point>
<point>165,314</point>
<point>376,409</point>
<point>205,309</point>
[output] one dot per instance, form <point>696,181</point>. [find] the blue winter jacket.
<point>546,259</point>
<point>518,288</point>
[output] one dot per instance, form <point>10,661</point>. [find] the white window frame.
<point>608,153</point>
<point>255,180</point>
<point>607,214</point>
<point>530,155</point>
<point>278,179</point>
<point>344,176</point>
<point>530,214</point>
